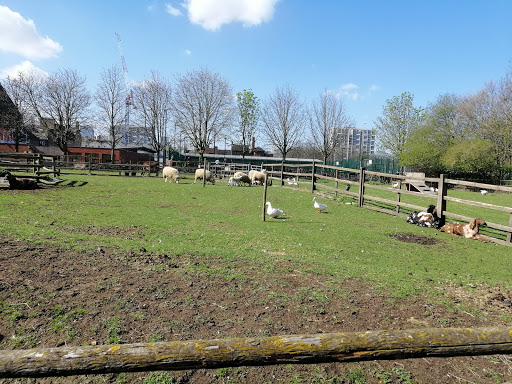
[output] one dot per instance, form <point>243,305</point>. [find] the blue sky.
<point>365,51</point>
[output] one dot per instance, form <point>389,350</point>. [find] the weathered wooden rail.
<point>361,179</point>
<point>29,162</point>
<point>289,349</point>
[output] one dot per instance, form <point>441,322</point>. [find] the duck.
<point>318,206</point>
<point>396,185</point>
<point>292,182</point>
<point>273,212</point>
<point>484,192</point>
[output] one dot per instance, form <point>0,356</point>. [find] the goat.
<point>469,231</point>
<point>428,218</point>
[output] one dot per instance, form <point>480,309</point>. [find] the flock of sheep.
<point>238,179</point>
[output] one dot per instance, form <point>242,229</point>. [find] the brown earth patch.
<point>416,239</point>
<point>51,296</point>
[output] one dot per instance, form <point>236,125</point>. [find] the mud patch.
<point>411,238</point>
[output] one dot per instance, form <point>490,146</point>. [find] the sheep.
<point>243,178</point>
<point>171,173</point>
<point>258,177</point>
<point>234,181</point>
<point>200,173</point>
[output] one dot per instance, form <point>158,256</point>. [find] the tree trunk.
<point>290,349</point>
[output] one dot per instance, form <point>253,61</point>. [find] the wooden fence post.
<point>509,234</point>
<point>313,177</point>
<point>204,173</point>
<point>282,173</point>
<point>398,196</point>
<point>264,198</point>
<point>336,177</point>
<point>361,187</point>
<point>442,191</point>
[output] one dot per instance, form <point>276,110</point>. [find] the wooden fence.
<point>311,174</point>
<point>29,162</point>
<point>290,349</point>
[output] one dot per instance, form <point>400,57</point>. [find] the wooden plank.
<point>288,349</point>
<point>478,204</point>
<point>479,185</point>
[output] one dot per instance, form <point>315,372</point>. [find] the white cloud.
<point>374,88</point>
<point>350,91</point>
<point>188,52</point>
<point>172,10</point>
<point>25,67</point>
<point>19,36</point>
<point>212,14</point>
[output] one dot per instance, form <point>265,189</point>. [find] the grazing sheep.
<point>200,173</point>
<point>234,181</point>
<point>171,173</point>
<point>469,231</point>
<point>258,177</point>
<point>243,178</point>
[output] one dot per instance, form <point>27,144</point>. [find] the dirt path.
<point>52,297</point>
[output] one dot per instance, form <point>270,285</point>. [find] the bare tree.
<point>60,102</point>
<point>328,117</point>
<point>153,100</point>
<point>203,107</point>
<point>110,99</point>
<point>283,118</point>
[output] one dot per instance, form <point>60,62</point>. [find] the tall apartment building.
<point>357,142</point>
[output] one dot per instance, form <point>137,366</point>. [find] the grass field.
<point>218,234</point>
<point>226,221</point>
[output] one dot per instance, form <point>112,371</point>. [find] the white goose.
<point>273,212</point>
<point>318,206</point>
<point>292,182</point>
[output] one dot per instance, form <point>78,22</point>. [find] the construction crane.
<point>129,96</point>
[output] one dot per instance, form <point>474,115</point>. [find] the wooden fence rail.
<point>364,199</point>
<point>289,349</point>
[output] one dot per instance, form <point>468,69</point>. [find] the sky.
<point>366,52</point>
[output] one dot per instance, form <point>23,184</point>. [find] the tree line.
<point>467,137</point>
<point>199,106</point>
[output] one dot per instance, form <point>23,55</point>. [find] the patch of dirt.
<point>50,296</point>
<point>416,239</point>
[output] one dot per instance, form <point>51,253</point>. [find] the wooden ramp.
<point>415,181</point>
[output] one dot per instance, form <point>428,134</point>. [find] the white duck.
<point>318,206</point>
<point>292,182</point>
<point>273,212</point>
<point>484,192</point>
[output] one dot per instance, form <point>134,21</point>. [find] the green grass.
<point>130,213</point>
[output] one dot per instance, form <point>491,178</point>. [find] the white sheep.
<point>243,178</point>
<point>171,173</point>
<point>200,173</point>
<point>258,177</point>
<point>234,181</point>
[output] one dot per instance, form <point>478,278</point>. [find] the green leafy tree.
<point>470,156</point>
<point>428,143</point>
<point>248,114</point>
<point>399,119</point>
